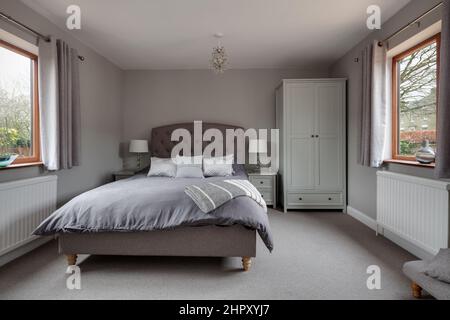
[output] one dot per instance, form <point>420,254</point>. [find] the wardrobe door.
<point>329,137</point>
<point>301,99</point>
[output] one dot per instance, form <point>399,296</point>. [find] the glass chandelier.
<point>219,59</point>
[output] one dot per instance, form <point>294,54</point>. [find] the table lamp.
<point>258,147</point>
<point>139,147</point>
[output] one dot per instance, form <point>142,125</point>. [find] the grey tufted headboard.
<point>161,145</point>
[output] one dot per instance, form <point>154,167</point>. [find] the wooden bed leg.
<point>71,259</point>
<point>416,290</point>
<point>246,263</point>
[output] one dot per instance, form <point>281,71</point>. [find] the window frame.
<point>36,146</point>
<point>396,88</point>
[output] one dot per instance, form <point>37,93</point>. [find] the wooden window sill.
<point>22,165</point>
<point>412,163</point>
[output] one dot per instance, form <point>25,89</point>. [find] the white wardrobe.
<point>311,116</point>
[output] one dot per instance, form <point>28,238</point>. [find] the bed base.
<point>209,241</point>
<point>246,261</point>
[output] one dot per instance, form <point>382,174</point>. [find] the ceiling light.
<point>219,59</point>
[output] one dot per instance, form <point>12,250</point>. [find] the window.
<point>19,109</point>
<point>415,96</point>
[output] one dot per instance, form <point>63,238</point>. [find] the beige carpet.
<point>316,256</point>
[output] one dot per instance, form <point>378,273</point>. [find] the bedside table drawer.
<point>117,177</point>
<point>266,185</point>
<point>123,175</point>
<point>262,182</point>
<point>267,195</point>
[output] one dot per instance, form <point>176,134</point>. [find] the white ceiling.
<point>178,34</point>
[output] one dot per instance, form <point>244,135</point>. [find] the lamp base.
<point>139,161</point>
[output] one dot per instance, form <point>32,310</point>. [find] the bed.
<point>144,216</point>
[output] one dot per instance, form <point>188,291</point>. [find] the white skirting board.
<point>20,251</point>
<point>372,224</point>
<point>363,218</point>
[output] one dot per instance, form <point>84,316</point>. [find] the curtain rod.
<point>409,24</point>
<point>37,34</point>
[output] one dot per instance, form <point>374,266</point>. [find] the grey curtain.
<point>373,148</point>
<point>59,105</point>
<point>69,106</point>
<point>48,104</point>
<point>366,108</point>
<point>443,149</point>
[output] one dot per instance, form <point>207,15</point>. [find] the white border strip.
<point>386,233</point>
<point>206,196</point>
<point>363,218</point>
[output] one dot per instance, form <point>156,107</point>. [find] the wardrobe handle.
<point>301,199</point>
<point>312,136</point>
<point>330,199</point>
<point>317,136</point>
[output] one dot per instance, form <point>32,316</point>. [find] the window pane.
<point>417,99</point>
<point>16,103</point>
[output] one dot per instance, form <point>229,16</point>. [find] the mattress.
<point>146,203</point>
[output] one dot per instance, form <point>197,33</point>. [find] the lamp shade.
<point>258,146</point>
<point>139,146</point>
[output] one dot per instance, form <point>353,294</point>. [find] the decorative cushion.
<point>218,166</point>
<point>415,270</point>
<point>162,168</point>
<point>439,267</point>
<point>189,167</point>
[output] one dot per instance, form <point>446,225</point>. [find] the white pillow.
<point>162,168</point>
<point>197,160</point>
<point>189,167</point>
<point>218,166</point>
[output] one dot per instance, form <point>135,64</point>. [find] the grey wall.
<point>101,86</point>
<point>154,98</point>
<point>241,97</point>
<point>362,180</point>
<point>149,99</point>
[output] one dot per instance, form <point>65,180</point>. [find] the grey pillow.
<point>189,167</point>
<point>439,267</point>
<point>218,166</point>
<point>162,168</point>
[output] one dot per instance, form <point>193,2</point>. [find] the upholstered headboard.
<point>161,145</point>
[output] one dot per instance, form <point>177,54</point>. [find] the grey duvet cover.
<point>149,203</point>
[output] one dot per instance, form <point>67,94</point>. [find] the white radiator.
<point>415,209</point>
<point>24,205</point>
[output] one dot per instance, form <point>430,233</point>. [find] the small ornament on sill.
<point>426,154</point>
<point>7,159</point>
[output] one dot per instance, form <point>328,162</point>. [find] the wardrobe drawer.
<point>262,182</point>
<point>309,199</point>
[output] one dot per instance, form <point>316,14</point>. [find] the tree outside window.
<point>415,81</point>
<point>18,104</point>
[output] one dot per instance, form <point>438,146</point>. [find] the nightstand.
<point>266,183</point>
<point>120,175</point>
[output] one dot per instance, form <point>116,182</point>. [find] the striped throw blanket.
<point>211,195</point>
